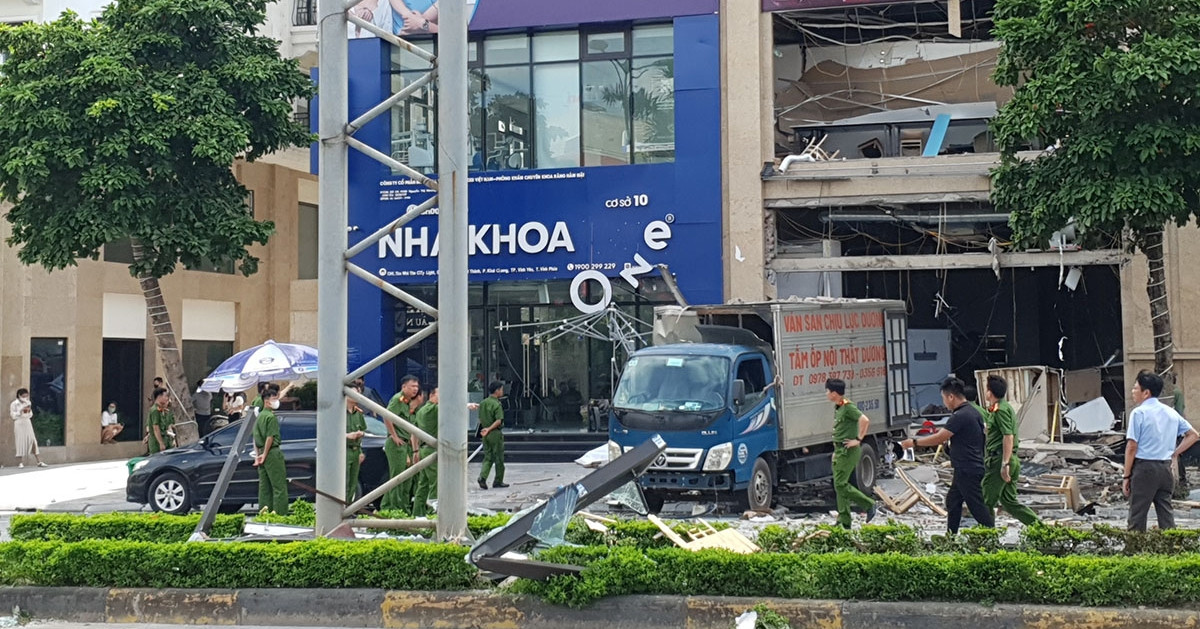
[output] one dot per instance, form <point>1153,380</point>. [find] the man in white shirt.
<point>1151,454</point>
<point>110,427</point>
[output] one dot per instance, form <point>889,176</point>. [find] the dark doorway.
<point>121,382</point>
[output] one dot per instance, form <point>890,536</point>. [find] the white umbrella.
<point>266,362</point>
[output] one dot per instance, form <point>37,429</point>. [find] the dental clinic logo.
<point>656,236</point>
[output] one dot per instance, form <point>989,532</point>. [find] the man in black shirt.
<point>965,427</point>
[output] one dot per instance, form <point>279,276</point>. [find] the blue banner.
<point>616,221</point>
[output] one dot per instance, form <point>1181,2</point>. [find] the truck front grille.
<point>678,459</point>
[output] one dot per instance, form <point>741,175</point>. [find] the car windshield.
<point>673,383</point>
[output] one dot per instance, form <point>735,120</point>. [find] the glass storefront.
<point>518,337</point>
<point>554,99</point>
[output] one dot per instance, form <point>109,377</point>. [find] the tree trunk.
<point>1160,314</point>
<point>178,386</point>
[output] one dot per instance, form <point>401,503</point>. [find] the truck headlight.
<point>614,450</point>
<point>718,457</point>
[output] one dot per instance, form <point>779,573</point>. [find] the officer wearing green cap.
<point>272,470</point>
<point>491,420</point>
<point>849,429</point>
<point>1001,465</point>
<point>160,421</point>
<point>426,488</point>
<point>398,447</point>
<point>356,427</point>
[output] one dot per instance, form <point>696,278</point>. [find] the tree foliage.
<point>1116,84</point>
<point>128,126</point>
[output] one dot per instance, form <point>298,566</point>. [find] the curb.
<point>488,610</point>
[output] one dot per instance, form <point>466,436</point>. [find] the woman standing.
<point>21,411</point>
<point>272,470</point>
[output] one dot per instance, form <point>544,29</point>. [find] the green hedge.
<point>1011,577</point>
<point>387,564</point>
<point>997,577</point>
<point>142,527</point>
<point>154,527</point>
<point>1044,540</point>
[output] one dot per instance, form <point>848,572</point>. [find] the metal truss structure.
<point>336,137</point>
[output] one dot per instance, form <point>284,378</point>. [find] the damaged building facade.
<point>869,122</point>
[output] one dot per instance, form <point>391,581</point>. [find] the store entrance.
<point>550,375</point>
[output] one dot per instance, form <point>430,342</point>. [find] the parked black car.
<point>179,479</point>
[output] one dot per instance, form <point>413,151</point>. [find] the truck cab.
<point>714,405</point>
<point>737,391</point>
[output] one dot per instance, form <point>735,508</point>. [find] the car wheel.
<point>865,471</point>
<point>169,493</point>
<point>760,491</point>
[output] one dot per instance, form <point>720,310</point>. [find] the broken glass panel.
<point>630,495</point>
<point>550,526</point>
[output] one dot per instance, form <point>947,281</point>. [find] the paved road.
<point>91,488</point>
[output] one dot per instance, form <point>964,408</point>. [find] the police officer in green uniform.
<point>356,427</point>
<point>491,420</point>
<point>426,488</point>
<point>398,448</point>
<point>161,420</point>
<point>257,402</point>
<point>1001,465</point>
<point>272,471</point>
<point>849,429</point>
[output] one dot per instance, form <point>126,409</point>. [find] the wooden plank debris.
<point>920,494</point>
<point>704,535</point>
<point>900,504</point>
<point>1062,484</point>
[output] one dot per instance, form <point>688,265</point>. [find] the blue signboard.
<point>609,223</point>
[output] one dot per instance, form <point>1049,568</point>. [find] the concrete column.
<point>747,142</point>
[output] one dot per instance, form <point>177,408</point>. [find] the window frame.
<point>753,396</point>
<point>481,65</point>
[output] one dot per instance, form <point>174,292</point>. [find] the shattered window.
<point>550,526</point>
<point>629,495</point>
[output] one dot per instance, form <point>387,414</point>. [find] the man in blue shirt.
<point>1151,453</point>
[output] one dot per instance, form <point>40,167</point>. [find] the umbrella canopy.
<point>266,362</point>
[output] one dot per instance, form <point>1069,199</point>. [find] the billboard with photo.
<point>410,18</point>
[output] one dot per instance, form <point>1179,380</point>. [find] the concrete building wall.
<point>747,73</point>
<point>69,304</point>
<point>1183,246</point>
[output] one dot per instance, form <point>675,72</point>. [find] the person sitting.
<point>110,426</point>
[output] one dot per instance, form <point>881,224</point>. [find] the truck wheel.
<point>760,491</point>
<point>866,472</point>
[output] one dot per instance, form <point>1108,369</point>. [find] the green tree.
<point>128,127</point>
<point>1111,86</point>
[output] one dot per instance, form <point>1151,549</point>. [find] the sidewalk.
<point>34,488</point>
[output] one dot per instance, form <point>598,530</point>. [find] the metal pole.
<point>453,332</point>
<point>332,322</point>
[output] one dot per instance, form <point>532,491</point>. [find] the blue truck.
<point>738,393</point>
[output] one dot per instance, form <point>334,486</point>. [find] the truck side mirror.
<point>739,393</point>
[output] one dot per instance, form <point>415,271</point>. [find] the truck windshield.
<point>673,383</point>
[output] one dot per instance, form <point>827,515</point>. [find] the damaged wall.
<point>831,83</point>
<point>1026,307</point>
